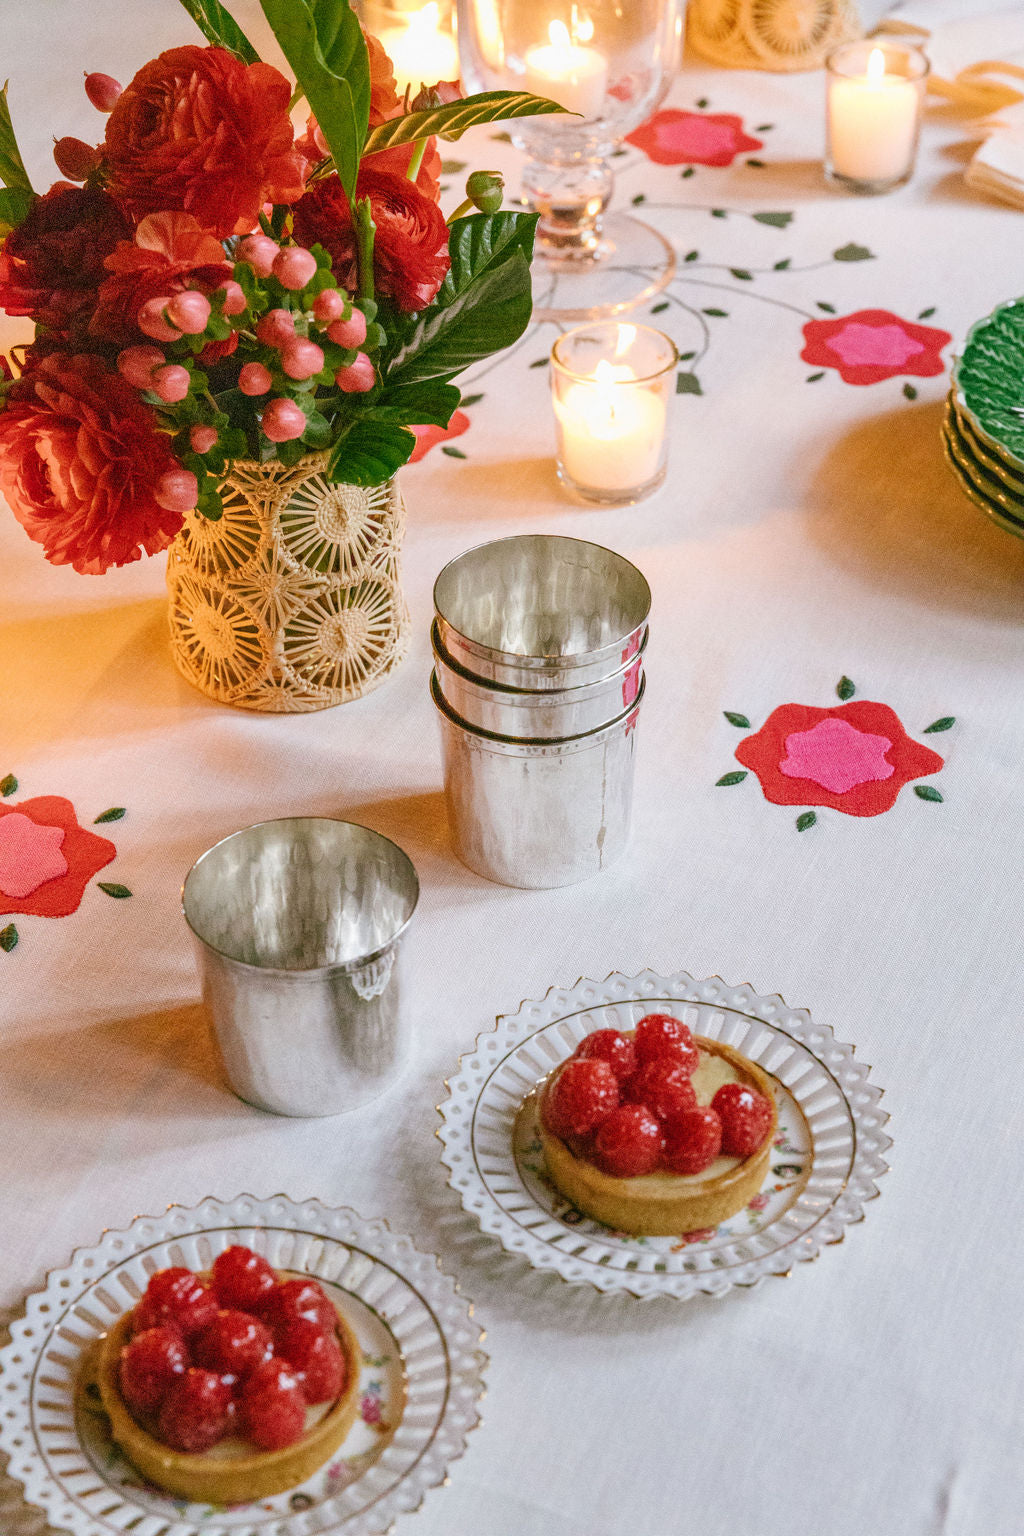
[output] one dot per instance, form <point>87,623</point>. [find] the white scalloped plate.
<point>422,1376</point>
<point>827,1155</point>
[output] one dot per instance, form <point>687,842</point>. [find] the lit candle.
<point>611,430</point>
<point>420,51</point>
<point>569,73</point>
<point>872,123</point>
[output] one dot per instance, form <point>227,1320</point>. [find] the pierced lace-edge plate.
<point>826,1157</point>
<point>421,1382</point>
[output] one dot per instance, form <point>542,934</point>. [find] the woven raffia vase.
<point>770,34</point>
<point>292,600</point>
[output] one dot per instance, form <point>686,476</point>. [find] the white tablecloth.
<point>807,531</point>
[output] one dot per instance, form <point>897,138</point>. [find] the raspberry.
<point>628,1143</point>
<point>745,1115</point>
<point>659,1034</point>
<point>175,1296</point>
<point>582,1095</point>
<point>233,1344</point>
<point>612,1046</point>
<point>148,1367</point>
<point>294,1299</point>
<point>242,1279</point>
<point>664,1087</point>
<point>272,1407</point>
<point>196,1411</point>
<point>693,1141</point>
<point>316,1356</point>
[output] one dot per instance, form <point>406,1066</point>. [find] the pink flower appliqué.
<point>46,858</point>
<point>837,756</point>
<point>874,344</point>
<point>672,137</point>
<point>29,855</point>
<point>430,437</point>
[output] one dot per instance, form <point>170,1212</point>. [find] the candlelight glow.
<point>876,66</point>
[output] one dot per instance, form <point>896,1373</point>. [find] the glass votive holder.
<point>875,92</point>
<point>611,383</point>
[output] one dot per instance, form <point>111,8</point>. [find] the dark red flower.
<point>80,458</point>
<point>672,137</point>
<point>874,344</point>
<point>46,858</point>
<point>51,265</point>
<point>200,132</point>
<point>429,437</point>
<point>410,246</point>
<point>170,253</point>
<point>855,758</point>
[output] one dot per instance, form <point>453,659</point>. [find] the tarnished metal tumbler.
<point>300,927</point>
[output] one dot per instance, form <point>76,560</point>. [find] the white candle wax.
<point>421,53</point>
<point>872,121</point>
<point>611,431</point>
<point>574,76</point>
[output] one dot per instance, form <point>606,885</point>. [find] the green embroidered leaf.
<point>829,309</point>
<point>805,820</point>
<point>111,888</point>
<point>734,719</point>
<point>688,384</point>
<point>764,128</point>
<point>221,29</point>
<point>780,266</point>
<point>114,814</point>
<point>12,168</point>
<point>776,220</point>
<point>691,256</point>
<point>658,309</point>
<point>8,938</point>
<point>910,391</point>
<point>926,792</point>
<point>688,172</point>
<point>451,120</point>
<point>453,167</point>
<point>370,451</point>
<point>684,357</point>
<point>736,777</point>
<point>719,213</point>
<point>453,453</point>
<point>703,103</point>
<point>742,273</point>
<point>943,724</point>
<point>853,252</point>
<point>845,689</point>
<point>641,197</point>
<point>722,314</point>
<point>506,138</point>
<point>540,362</point>
<point>469,400</point>
<point>757,165</point>
<point>812,378</point>
<point>8,785</point>
<point>926,314</point>
<point>15,203</point>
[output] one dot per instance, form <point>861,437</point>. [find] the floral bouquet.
<point>207,286</point>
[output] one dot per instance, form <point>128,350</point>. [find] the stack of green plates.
<point>983,429</point>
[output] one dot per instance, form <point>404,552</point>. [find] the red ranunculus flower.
<point>170,252</point>
<point>384,97</point>
<point>410,252</point>
<point>199,131</point>
<point>673,137</point>
<point>855,758</point>
<point>52,264</point>
<point>313,146</point>
<point>874,344</point>
<point>46,858</point>
<point>80,457</point>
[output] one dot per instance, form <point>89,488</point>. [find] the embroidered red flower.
<point>874,344</point>
<point>170,252</point>
<point>672,137</point>
<point>430,437</point>
<point>855,757</point>
<point>52,265</point>
<point>46,858</point>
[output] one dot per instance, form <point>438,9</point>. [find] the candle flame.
<point>558,33</point>
<point>876,66</point>
<point>582,27</point>
<point>604,373</point>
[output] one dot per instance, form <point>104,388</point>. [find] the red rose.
<point>170,253</point>
<point>410,253</point>
<point>52,264</point>
<point>199,131</point>
<point>80,458</point>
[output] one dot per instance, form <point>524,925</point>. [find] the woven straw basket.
<point>770,34</point>
<point>292,600</point>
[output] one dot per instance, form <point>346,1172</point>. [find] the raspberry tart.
<point>656,1131</point>
<point>233,1385</point>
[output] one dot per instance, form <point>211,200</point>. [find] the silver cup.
<point>539,611</point>
<point>300,926</point>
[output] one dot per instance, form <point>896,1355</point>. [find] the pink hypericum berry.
<point>260,252</point>
<point>202,438</point>
<point>171,382</point>
<point>282,421</point>
<point>190,312</point>
<point>294,266</point>
<point>177,490</point>
<point>102,91</point>
<point>136,364</point>
<point>254,379</point>
<point>358,377</point>
<point>276,327</point>
<point>234,301</point>
<point>74,158</point>
<point>328,306</point>
<point>301,358</point>
<point>350,332</point>
<point>150,320</point>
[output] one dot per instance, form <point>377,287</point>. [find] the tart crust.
<point>664,1204</point>
<point>207,1478</point>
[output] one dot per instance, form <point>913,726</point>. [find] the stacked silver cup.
<point>538,680</point>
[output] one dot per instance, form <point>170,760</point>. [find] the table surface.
<point>808,530</point>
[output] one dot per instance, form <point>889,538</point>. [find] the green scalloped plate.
<point>973,489</point>
<point>1012,480</point>
<point>988,382</point>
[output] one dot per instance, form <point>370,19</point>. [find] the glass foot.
<point>633,263</point>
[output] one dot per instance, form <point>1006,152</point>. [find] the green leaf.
<point>221,29</point>
<point>691,256</point>
<point>722,314</point>
<point>688,384</point>
<point>370,452</point>
<point>926,792</point>
<point>946,722</point>
<point>853,252</point>
<point>540,362</point>
<point>641,197</point>
<point>111,888</point>
<point>688,172</point>
<point>451,120</point>
<point>829,309</point>
<point>114,814</point>
<point>453,453</point>
<point>453,167</point>
<point>324,44</point>
<point>910,392</point>
<point>805,820</point>
<point>734,719</point>
<point>812,378</point>
<point>736,777</point>
<point>8,938</point>
<point>15,203</point>
<point>776,220</point>
<point>719,213</point>
<point>12,168</point>
<point>780,266</point>
<point>658,309</point>
<point>764,127</point>
<point>702,103</point>
<point>742,273</point>
<point>469,400</point>
<point>758,165</point>
<point>845,689</point>
<point>428,403</point>
<point>8,785</point>
<point>926,314</point>
<point>684,357</point>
